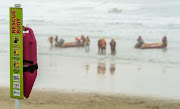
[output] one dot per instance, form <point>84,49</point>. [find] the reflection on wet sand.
<point>87,67</point>
<point>112,69</point>
<point>101,69</point>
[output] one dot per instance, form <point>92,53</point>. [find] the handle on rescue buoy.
<point>30,30</point>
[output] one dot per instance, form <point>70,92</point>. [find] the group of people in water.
<point>102,46</point>
<point>85,41</point>
<point>78,42</point>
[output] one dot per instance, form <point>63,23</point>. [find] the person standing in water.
<point>164,41</point>
<point>51,41</point>
<point>139,43</point>
<point>113,46</point>
<point>103,42</point>
<point>99,45</point>
<point>78,40</point>
<point>87,42</point>
<point>83,38</point>
<point>56,41</point>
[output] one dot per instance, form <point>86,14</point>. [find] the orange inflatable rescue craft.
<point>72,44</point>
<point>153,45</point>
<point>29,61</point>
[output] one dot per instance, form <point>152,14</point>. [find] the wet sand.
<point>75,100</point>
<point>102,75</point>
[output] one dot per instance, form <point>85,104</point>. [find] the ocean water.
<point>123,20</point>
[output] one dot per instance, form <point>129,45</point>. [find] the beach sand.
<point>75,100</point>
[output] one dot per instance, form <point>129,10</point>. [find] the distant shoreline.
<point>73,100</point>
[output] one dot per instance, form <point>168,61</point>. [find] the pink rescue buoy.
<point>29,61</point>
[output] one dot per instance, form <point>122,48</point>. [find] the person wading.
<point>56,41</point>
<point>83,39</point>
<point>99,45</point>
<point>103,42</point>
<point>51,40</point>
<point>139,43</point>
<point>87,42</point>
<point>113,46</point>
<point>78,40</point>
<point>164,41</point>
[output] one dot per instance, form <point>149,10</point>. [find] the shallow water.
<point>119,19</point>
